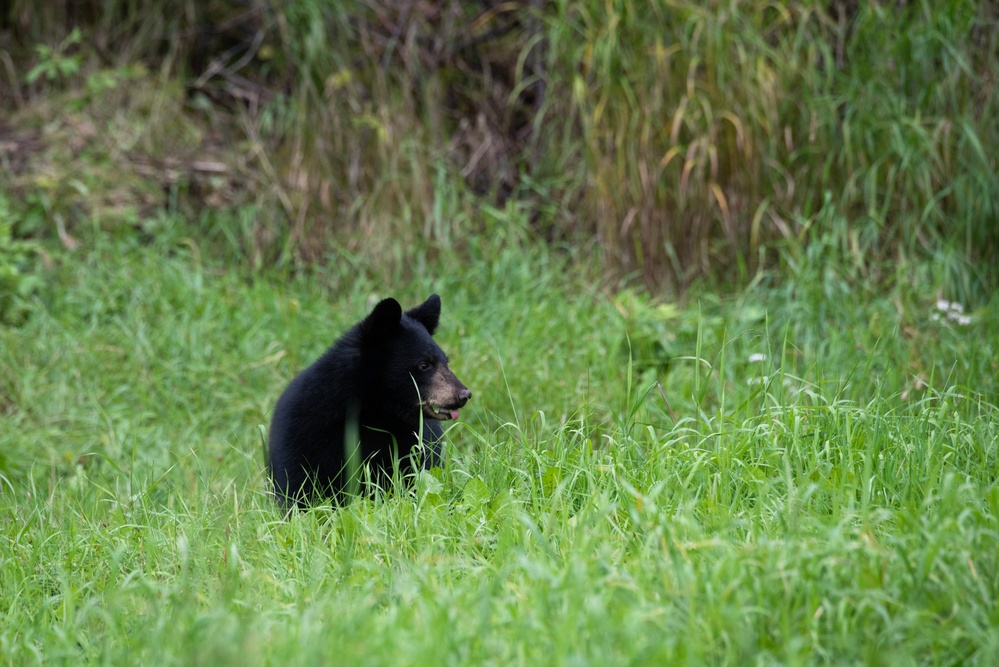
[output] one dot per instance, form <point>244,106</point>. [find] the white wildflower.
<point>953,311</point>
<point>963,320</point>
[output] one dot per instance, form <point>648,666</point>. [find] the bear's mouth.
<point>439,412</point>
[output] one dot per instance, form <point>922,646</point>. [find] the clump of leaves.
<point>18,269</point>
<point>57,63</point>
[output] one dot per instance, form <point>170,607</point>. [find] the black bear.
<point>377,385</point>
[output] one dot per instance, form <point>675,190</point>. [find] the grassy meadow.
<point>779,477</point>
<point>721,276</point>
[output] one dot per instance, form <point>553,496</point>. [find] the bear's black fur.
<point>381,381</point>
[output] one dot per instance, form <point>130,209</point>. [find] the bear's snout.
<point>445,395</point>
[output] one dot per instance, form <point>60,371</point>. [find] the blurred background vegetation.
<point>668,142</point>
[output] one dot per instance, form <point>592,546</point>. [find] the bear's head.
<point>411,372</point>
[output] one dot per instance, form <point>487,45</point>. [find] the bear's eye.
<point>425,366</point>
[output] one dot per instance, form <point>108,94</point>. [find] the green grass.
<point>804,472</point>
<point>834,503</point>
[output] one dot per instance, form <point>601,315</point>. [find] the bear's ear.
<point>383,319</point>
<point>427,313</point>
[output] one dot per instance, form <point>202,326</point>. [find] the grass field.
<point>812,481</point>
<point>793,463</point>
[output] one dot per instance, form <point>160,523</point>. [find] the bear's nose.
<point>464,395</point>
